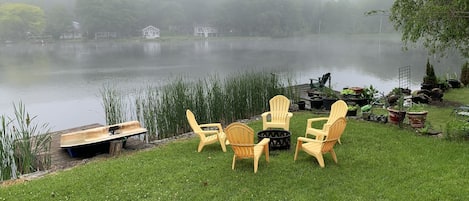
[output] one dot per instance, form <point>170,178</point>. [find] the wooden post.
<point>115,147</point>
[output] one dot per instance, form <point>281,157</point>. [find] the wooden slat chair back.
<point>335,131</point>
<point>193,122</point>
<point>279,115</point>
<point>241,138</point>
<point>338,109</point>
<point>317,148</point>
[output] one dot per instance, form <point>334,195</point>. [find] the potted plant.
<point>316,102</point>
<point>296,96</point>
<point>397,112</point>
<point>442,83</point>
<point>417,115</point>
<point>352,110</point>
<point>369,94</point>
<point>354,94</point>
<point>330,97</point>
<point>452,81</point>
<point>348,93</point>
<point>301,105</point>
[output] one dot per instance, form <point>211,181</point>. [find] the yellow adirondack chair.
<point>338,109</point>
<point>317,148</point>
<point>241,138</point>
<point>279,115</point>
<point>213,132</point>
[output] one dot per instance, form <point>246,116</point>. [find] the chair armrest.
<point>303,139</point>
<point>212,125</point>
<point>263,142</point>
<point>264,116</point>
<point>310,121</point>
<point>209,132</point>
<point>318,133</point>
<point>317,119</point>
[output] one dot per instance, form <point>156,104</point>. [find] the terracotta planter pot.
<point>417,119</point>
<point>396,116</point>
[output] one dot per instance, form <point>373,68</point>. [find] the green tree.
<point>118,16</point>
<point>263,17</point>
<point>339,16</point>
<point>440,24</point>
<point>430,77</point>
<point>18,20</point>
<point>171,13</point>
<point>58,21</point>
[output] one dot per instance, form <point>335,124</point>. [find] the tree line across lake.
<point>276,18</point>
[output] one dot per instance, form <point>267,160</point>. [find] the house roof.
<point>150,28</point>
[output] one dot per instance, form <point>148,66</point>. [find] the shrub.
<point>465,74</point>
<point>430,77</point>
<point>457,130</point>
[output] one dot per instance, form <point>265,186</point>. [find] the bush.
<point>465,74</point>
<point>457,130</point>
<point>430,77</point>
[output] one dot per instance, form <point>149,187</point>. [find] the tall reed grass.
<point>162,110</point>
<point>24,145</point>
<point>172,104</point>
<point>146,109</point>
<point>114,105</point>
<point>8,166</point>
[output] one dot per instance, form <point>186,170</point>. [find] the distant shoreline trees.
<point>18,21</point>
<point>274,18</point>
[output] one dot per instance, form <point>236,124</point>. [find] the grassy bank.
<point>376,162</point>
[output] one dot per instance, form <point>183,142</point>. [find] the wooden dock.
<point>303,89</point>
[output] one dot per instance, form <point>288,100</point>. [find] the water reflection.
<point>152,48</point>
<point>61,82</point>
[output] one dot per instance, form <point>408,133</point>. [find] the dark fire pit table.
<point>279,139</point>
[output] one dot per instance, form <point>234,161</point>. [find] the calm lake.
<point>60,82</point>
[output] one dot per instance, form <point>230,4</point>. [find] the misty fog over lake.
<point>60,82</point>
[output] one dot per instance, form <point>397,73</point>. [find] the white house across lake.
<point>205,31</point>
<point>150,32</point>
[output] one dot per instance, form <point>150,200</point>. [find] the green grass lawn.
<point>376,162</point>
